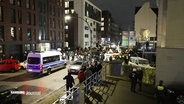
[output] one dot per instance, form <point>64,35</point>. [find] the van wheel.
<point>12,70</point>
<point>48,71</point>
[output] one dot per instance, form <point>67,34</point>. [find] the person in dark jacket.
<point>139,78</point>
<point>69,81</point>
<point>160,92</point>
<point>99,66</point>
<point>133,77</point>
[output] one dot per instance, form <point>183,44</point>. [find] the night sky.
<point>122,11</point>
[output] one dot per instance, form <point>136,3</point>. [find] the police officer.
<point>160,92</point>
<point>139,78</point>
<point>133,77</point>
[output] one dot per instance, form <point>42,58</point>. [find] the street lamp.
<point>68,17</point>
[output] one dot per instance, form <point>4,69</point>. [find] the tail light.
<point>41,67</point>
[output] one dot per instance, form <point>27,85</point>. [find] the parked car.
<point>138,61</point>
<point>7,96</point>
<point>23,64</point>
<point>9,65</point>
<point>175,94</point>
<point>76,66</point>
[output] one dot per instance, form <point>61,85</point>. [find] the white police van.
<point>138,61</point>
<point>44,62</point>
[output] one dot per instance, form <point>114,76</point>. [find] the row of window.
<point>13,33</point>
<point>92,12</point>
<point>30,17</point>
<point>58,2</point>
<point>31,33</point>
<point>55,11</point>
<point>55,36</point>
<point>30,4</point>
<point>12,15</point>
<point>51,59</point>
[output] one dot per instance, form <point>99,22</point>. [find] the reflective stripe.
<point>126,57</point>
<point>160,88</point>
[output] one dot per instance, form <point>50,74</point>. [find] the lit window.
<point>27,3</point>
<point>40,35</point>
<point>1,49</point>
<point>102,19</point>
<point>12,2</point>
<point>29,33</point>
<point>1,33</point>
<point>19,3</point>
<point>1,14</point>
<point>102,23</point>
<point>61,1</point>
<point>20,33</point>
<point>27,46</point>
<point>87,13</point>
<point>66,27</point>
<point>72,11</point>
<point>13,33</point>
<point>67,4</point>
<point>102,28</point>
<point>66,11</point>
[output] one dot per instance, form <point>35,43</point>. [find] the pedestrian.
<point>133,77</point>
<point>99,66</point>
<point>160,92</point>
<point>88,74</point>
<point>69,81</point>
<point>81,74</point>
<point>139,78</point>
<point>110,58</point>
<point>92,68</point>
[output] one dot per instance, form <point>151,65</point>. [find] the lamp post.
<point>68,17</point>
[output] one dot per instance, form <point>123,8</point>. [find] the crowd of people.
<point>83,74</point>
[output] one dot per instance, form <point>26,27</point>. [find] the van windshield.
<point>33,60</point>
<point>143,62</point>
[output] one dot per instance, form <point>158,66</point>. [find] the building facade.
<point>111,32</point>
<point>88,19</point>
<point>170,43</point>
<point>145,25</point>
<point>28,25</point>
<point>145,22</point>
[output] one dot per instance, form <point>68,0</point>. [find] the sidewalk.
<point>116,91</point>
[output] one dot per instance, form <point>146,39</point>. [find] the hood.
<point>75,67</point>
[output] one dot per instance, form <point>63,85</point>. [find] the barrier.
<point>70,97</point>
<point>93,80</point>
<point>77,94</point>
